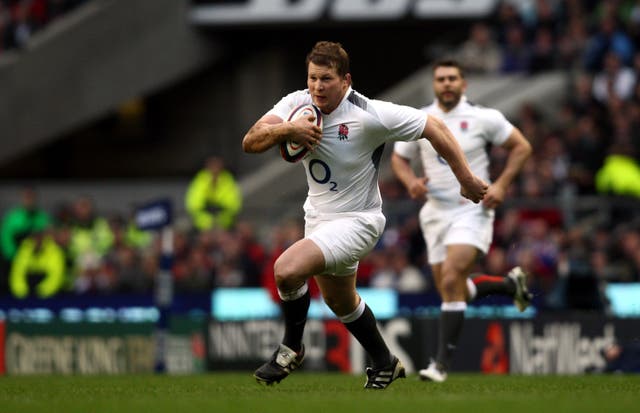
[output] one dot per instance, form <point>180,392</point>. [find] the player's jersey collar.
<point>345,97</point>
<point>461,106</point>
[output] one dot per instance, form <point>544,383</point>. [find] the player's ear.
<point>347,78</point>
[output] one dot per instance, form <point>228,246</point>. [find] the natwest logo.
<point>291,11</point>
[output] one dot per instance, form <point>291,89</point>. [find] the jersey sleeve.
<point>498,126</point>
<point>407,150</point>
<point>402,122</point>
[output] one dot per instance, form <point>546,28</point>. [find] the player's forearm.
<point>402,169</point>
<point>518,156</point>
<point>448,147</point>
<point>263,136</point>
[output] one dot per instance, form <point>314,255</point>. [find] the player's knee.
<point>449,285</point>
<point>285,274</point>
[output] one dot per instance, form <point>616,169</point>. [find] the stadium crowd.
<point>589,147</point>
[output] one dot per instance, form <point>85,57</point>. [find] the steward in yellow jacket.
<point>620,175</point>
<point>38,268</point>
<point>213,197</point>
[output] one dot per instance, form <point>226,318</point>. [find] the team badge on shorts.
<point>464,125</point>
<point>343,132</point>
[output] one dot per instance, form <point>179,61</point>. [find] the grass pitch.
<point>314,392</point>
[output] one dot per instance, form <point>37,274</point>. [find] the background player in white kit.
<point>343,210</point>
<point>457,231</point>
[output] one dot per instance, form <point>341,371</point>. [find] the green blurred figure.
<point>19,223</point>
<point>22,221</point>
<point>213,198</point>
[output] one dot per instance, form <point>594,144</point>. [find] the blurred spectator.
<point>614,80</point>
<point>543,51</point>
<point>200,270</point>
<point>382,275</point>
<point>230,258</point>
<point>91,239</point>
<point>39,267</point>
<point>253,253</point>
<point>537,253</point>
<point>623,358</point>
<point>543,15</point>
<point>123,262</point>
<point>620,174</point>
<point>127,272</point>
<point>608,38</point>
<point>126,231</point>
<point>586,153</point>
<point>21,221</point>
<point>572,43</point>
<point>409,278</point>
<point>213,197</point>
<point>496,261</point>
<point>619,10</point>
<point>480,53</point>
<point>581,100</point>
<point>507,15</point>
<point>516,55</point>
<point>395,271</point>
<point>18,223</point>
<point>627,250</point>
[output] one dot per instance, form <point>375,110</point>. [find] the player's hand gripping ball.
<point>292,151</point>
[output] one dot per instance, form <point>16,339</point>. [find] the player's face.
<point>326,87</point>
<point>448,86</point>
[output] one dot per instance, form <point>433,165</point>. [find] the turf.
<point>309,392</point>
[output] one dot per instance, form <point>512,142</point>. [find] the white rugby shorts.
<point>468,224</point>
<point>344,238</point>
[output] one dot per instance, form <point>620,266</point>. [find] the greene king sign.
<point>292,11</point>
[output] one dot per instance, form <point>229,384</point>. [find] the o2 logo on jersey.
<point>321,173</point>
<point>441,160</point>
<point>343,132</point>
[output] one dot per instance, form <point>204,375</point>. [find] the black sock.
<point>450,328</point>
<point>365,330</point>
<point>493,284</point>
<point>295,318</point>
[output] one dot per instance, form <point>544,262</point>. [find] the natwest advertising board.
<point>542,345</point>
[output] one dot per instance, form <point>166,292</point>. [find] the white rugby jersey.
<point>342,172</point>
<point>475,127</point>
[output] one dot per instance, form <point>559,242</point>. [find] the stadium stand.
<point>556,225</point>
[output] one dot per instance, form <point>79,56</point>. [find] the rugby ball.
<point>292,151</point>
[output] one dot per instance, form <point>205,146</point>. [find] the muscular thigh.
<point>345,239</point>
<point>460,259</point>
<point>303,259</point>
